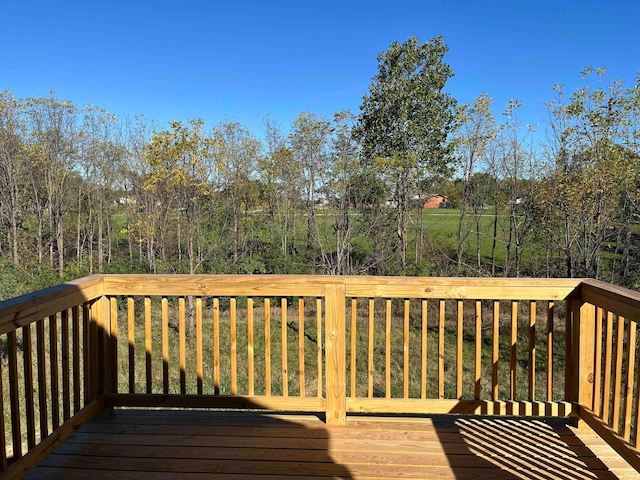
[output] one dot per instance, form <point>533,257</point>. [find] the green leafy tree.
<point>406,121</point>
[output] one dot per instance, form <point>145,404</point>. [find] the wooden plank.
<point>532,351</point>
<point>307,404</point>
<point>53,371</point>
<point>550,337</point>
<point>14,398</point>
<point>86,353</point>
<point>216,346</point>
<point>147,342</point>
<point>199,365</point>
<point>285,347</point>
<point>182,342</point>
<point>301,350</point>
<point>94,359</point>
<point>58,436</point>
<point>441,349</point>
<point>233,312</point>
<point>370,365</point>
<point>336,350</point>
<point>617,379</point>
<point>387,349</point>
<point>164,308</point>
<point>352,352</point>
<point>250,348</point>
<point>494,350</point>
<point>42,387</point>
<point>405,351</point>
<point>131,323</point>
<point>28,386</point>
<point>25,309</point>
<point>478,353</point>
<point>459,342</point>
<point>628,384</point>
<point>608,349</point>
<point>513,350</point>
<point>75,315</point>
<point>319,342</point>
<point>267,346</point>
<point>66,397</point>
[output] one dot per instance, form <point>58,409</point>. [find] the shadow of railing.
<point>153,443</point>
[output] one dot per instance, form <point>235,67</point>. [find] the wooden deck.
<point>170,444</point>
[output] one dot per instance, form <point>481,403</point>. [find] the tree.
<point>406,120</point>
<point>477,130</point>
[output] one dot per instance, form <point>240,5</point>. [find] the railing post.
<point>583,350</point>
<point>335,355</point>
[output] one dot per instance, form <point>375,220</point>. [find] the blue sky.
<point>237,61</point>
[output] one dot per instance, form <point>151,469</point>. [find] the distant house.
<point>437,201</point>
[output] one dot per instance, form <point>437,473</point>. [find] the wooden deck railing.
<point>309,343</point>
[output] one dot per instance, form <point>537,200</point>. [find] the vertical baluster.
<point>42,382</point>
<point>182,334</point>
<point>86,352</point>
<point>628,384</point>
<point>75,315</point>
<point>234,345</point>
<point>131,319</point>
<point>370,365</point>
<point>66,398</point>
<point>250,347</point>
<point>513,351</point>
<point>494,351</point>
<point>423,382</point>
<point>387,350</point>
<point>354,314</point>
<point>319,333</point>
<point>285,360</point>
<point>301,338</point>
<point>478,357</point>
<point>532,351</point>
<point>164,308</point>
<point>199,366</point>
<point>550,334</point>
<point>16,430</point>
<point>459,341</point>
<point>182,340</point>
<point>617,384</point>
<point>53,371</point>
<point>3,442</point>
<point>405,350</point>
<point>216,346</point>
<point>608,351</point>
<point>147,342</point>
<point>28,386</point>
<point>267,346</point>
<point>441,350</point>
<point>113,341</point>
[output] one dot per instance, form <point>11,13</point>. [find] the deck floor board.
<point>172,444</point>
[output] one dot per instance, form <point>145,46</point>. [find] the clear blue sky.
<point>237,61</point>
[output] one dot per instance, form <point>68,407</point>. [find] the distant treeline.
<point>82,191</point>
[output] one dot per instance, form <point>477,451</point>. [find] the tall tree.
<point>406,120</point>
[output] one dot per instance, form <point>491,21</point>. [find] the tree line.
<point>83,191</point>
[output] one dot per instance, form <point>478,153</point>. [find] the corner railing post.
<point>335,355</point>
<point>583,350</point>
